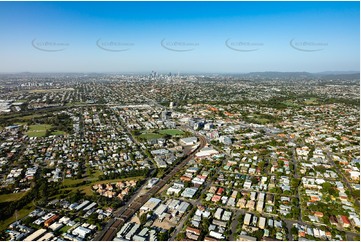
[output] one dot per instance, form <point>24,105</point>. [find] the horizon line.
<point>167,72</point>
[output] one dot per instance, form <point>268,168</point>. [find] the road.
<point>234,225</point>
<point>126,212</point>
<point>179,227</point>
<point>194,203</point>
<point>328,153</point>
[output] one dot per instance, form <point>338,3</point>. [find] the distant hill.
<point>276,74</point>
<point>329,75</point>
<point>340,76</point>
<point>336,72</point>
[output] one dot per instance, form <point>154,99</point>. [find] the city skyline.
<point>185,37</point>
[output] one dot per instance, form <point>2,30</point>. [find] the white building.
<point>151,204</point>
<point>81,232</point>
<point>247,219</point>
<point>35,235</point>
<point>218,213</point>
<point>216,235</point>
<point>262,223</point>
<point>206,151</point>
<point>225,140</point>
<point>188,141</point>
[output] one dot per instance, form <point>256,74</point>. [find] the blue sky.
<point>197,36</point>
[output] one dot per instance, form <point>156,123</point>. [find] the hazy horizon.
<point>167,72</point>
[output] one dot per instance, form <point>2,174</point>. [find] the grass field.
<point>21,213</point>
<point>150,136</point>
<point>58,132</point>
<point>311,100</point>
<point>11,197</point>
<point>51,90</point>
<point>38,130</point>
<point>28,117</point>
<point>262,120</point>
<point>21,123</point>
<point>87,190</point>
<point>161,133</point>
<point>171,132</point>
<point>290,103</point>
<point>72,182</point>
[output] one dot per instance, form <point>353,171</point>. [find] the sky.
<point>214,37</point>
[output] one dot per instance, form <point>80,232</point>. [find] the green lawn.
<point>311,100</point>
<point>28,117</point>
<point>21,123</point>
<point>87,190</point>
<point>159,134</point>
<point>58,132</point>
<point>290,103</point>
<point>51,90</point>
<point>160,173</point>
<point>21,214</point>
<point>95,174</point>
<point>38,130</point>
<point>171,131</point>
<point>150,136</point>
<point>64,229</point>
<point>262,120</point>
<point>72,182</point>
<point>11,197</point>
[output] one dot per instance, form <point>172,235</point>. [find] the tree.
<point>163,236</point>
<point>254,180</point>
<point>89,171</point>
<point>180,236</point>
<point>205,224</point>
<point>258,234</point>
<point>143,218</point>
<point>328,188</point>
<point>295,182</point>
<point>79,175</point>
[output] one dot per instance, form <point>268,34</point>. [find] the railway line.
<point>123,215</point>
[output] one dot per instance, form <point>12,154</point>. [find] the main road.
<point>124,214</point>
